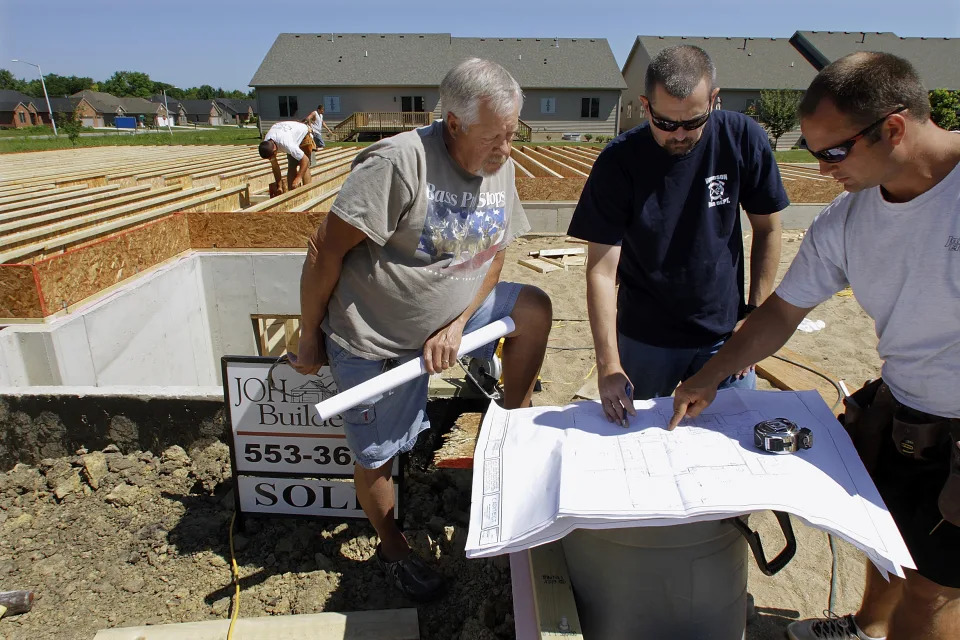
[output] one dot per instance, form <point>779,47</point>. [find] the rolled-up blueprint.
<point>406,372</point>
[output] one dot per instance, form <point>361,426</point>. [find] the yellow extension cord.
<point>235,571</point>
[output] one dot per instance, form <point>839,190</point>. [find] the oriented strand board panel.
<point>549,188</point>
<point>79,273</point>
<point>19,295</point>
<point>243,230</point>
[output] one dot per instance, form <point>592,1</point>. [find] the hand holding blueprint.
<point>542,472</point>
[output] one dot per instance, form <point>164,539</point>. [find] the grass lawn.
<point>247,135</point>
<point>794,155</point>
<point>35,131</point>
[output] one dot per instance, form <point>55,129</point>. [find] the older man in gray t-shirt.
<point>407,262</point>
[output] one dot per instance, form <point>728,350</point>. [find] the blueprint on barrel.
<point>541,472</point>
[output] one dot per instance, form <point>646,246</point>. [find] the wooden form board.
<point>788,377</point>
<point>383,624</point>
<point>456,452</point>
<point>554,605</point>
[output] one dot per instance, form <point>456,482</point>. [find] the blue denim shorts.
<point>656,371</point>
<point>378,431</point>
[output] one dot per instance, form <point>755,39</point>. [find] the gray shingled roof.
<point>742,62</point>
<point>197,107</point>
<point>108,103</point>
<point>9,99</point>
<point>58,104</point>
<point>373,59</point>
<point>936,59</point>
<point>237,105</point>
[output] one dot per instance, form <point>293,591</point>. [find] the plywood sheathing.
<point>223,200</point>
<point>257,230</point>
<point>19,294</point>
<point>74,275</point>
<point>550,188</point>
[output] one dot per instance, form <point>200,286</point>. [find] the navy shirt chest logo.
<point>716,186</point>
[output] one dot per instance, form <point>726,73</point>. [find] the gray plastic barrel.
<point>682,582</point>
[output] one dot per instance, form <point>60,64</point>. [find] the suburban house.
<point>60,105</point>
<point>236,111</point>
<point>98,109</point>
<point>745,66</point>
<point>18,110</point>
<point>206,112</point>
<point>378,84</point>
<point>937,59</point>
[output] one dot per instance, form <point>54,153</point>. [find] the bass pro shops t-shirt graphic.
<point>463,231</point>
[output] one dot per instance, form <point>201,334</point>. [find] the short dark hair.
<point>679,70</point>
<point>866,86</point>
<point>320,108</point>
<point>267,148</point>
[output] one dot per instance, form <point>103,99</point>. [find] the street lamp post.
<point>44,85</point>
<point>167,109</point>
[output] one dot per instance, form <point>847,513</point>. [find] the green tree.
<point>8,81</point>
<point>70,124</point>
<point>128,83</point>
<point>205,92</point>
<point>777,111</point>
<point>945,108</point>
<point>66,85</point>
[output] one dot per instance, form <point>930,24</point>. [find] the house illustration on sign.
<point>312,392</point>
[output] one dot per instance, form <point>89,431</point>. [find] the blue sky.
<point>222,43</point>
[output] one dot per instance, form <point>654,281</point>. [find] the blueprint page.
<point>551,469</point>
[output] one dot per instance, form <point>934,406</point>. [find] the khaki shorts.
<point>307,146</point>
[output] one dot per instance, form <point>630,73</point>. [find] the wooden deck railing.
<point>391,122</point>
<point>524,132</point>
<point>379,123</point>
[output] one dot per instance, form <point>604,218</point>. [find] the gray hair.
<point>679,70</point>
<point>474,81</point>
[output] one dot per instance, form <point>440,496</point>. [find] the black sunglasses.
<point>839,152</point>
<point>672,125</point>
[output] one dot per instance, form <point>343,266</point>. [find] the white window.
<point>629,110</point>
<point>331,104</point>
<point>548,105</point>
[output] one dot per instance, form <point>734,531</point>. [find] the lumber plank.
<point>383,624</point>
<point>556,609</point>
<point>554,261</point>
<point>574,261</point>
<point>557,253</point>
<point>538,265</point>
<point>788,377</point>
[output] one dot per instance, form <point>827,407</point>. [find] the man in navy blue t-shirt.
<point>661,212</point>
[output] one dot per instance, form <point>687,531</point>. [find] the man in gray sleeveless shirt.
<point>407,262</point>
<point>894,237</point>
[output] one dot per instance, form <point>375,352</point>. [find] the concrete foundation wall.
<point>167,328</point>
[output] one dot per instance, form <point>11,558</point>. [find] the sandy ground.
<point>846,347</point>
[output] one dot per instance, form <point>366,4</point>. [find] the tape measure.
<point>781,436</point>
